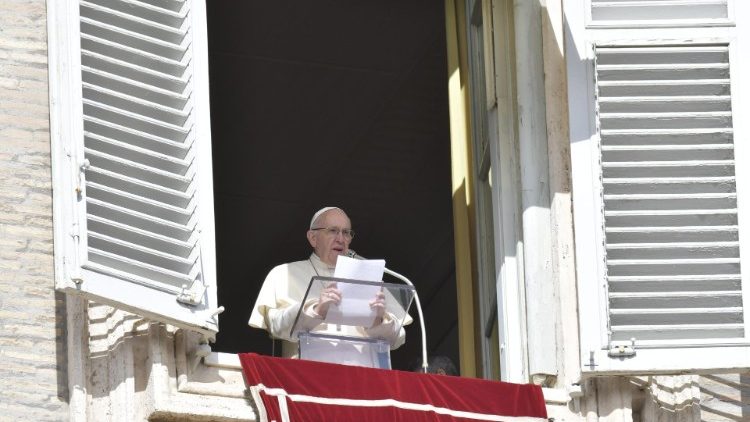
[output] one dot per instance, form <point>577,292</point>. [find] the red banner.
<point>298,390</point>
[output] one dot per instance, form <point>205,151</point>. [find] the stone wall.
<point>32,320</point>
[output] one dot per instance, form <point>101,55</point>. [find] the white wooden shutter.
<point>670,199</point>
<point>142,218</point>
<point>656,163</point>
<point>658,12</point>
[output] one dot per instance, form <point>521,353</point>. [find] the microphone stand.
<point>421,316</point>
<point>355,255</point>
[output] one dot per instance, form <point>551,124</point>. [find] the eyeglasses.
<point>335,231</point>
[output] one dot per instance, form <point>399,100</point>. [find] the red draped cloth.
<point>298,390</point>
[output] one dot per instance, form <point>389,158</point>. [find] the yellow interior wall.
<point>462,183</point>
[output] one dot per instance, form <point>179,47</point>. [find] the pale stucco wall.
<point>32,322</point>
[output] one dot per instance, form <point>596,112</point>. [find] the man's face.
<point>329,246</point>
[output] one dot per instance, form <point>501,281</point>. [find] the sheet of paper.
<point>354,308</point>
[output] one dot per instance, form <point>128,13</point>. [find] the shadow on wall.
<point>61,355</point>
<point>725,397</point>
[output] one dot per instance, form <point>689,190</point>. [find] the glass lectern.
<point>342,336</point>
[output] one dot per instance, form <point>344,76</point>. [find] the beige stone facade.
<point>32,317</point>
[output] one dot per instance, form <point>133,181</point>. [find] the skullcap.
<point>320,212</point>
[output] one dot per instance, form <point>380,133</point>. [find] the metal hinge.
<point>85,165</point>
<point>592,360</point>
<point>75,267</point>
<point>190,296</point>
<point>622,349</point>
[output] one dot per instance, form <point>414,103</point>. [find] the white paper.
<point>354,308</point>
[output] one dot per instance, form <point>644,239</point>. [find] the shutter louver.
<point>668,185</point>
<point>138,138</point>
<point>659,11</point>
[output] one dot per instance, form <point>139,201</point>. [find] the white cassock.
<point>279,302</point>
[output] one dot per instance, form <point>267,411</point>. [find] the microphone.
<point>352,254</point>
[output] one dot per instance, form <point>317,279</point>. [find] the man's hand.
<point>330,295</point>
<point>378,305</point>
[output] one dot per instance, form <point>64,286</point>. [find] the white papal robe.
<point>279,301</point>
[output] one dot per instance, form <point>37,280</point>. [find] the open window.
<point>334,103</point>
<point>133,178</point>
<point>483,134</point>
<point>658,189</point>
<point>498,213</point>
<point>132,173</point>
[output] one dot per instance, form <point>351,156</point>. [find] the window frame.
<point>68,176</point>
<point>495,147</point>
<point>481,89</point>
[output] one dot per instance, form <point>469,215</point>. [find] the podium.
<point>342,338</point>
